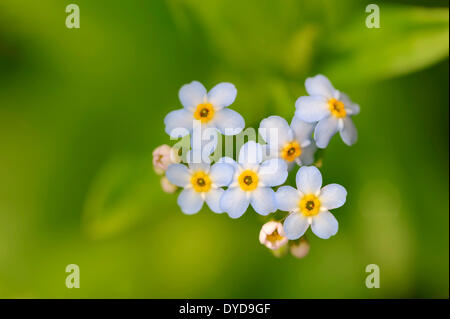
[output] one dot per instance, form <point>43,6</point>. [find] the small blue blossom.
<point>292,143</point>
<point>330,108</point>
<point>201,182</point>
<point>309,204</point>
<point>209,108</point>
<point>252,182</point>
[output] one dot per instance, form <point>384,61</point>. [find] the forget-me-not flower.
<point>210,108</point>
<point>330,108</point>
<point>252,182</point>
<point>291,143</point>
<point>201,182</point>
<point>310,204</point>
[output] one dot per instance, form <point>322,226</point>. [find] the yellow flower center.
<point>309,205</point>
<point>291,151</point>
<point>274,237</point>
<point>337,108</point>
<point>201,182</point>
<point>204,112</point>
<point>248,180</point>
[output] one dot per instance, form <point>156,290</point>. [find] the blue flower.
<point>201,182</point>
<point>252,182</point>
<point>330,108</point>
<point>209,108</point>
<point>291,143</point>
<point>309,204</point>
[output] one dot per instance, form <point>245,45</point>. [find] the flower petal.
<point>273,172</point>
<point>234,202</point>
<point>276,130</point>
<point>311,108</point>
<point>332,196</point>
<point>263,200</point>
<point>192,94</point>
<point>178,174</point>
<point>309,180</point>
<point>203,143</point>
<point>325,130</point>
<point>350,107</point>
<point>250,153</point>
<point>199,167</point>
<point>319,85</point>
<point>222,174</point>
<point>213,199</point>
<point>324,225</point>
<point>348,133</point>
<point>190,201</point>
<point>295,226</point>
<point>307,156</point>
<point>229,160</point>
<point>302,130</point>
<point>222,95</point>
<point>178,123</point>
<point>287,198</point>
<point>229,122</point>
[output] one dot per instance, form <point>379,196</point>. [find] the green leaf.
<point>409,39</point>
<point>121,196</point>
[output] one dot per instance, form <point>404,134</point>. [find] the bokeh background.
<point>82,109</point>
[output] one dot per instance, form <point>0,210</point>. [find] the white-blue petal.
<point>192,94</point>
<point>288,198</point>
<point>199,167</point>
<point>325,130</point>
<point>222,174</point>
<point>332,196</point>
<point>307,156</point>
<point>178,175</point>
<point>222,95</point>
<point>309,180</point>
<point>273,172</point>
<point>324,225</point>
<point>350,107</point>
<point>348,133</point>
<point>250,153</point>
<point>263,200</point>
<point>275,130</point>
<point>311,108</point>
<point>295,226</point>
<point>190,201</point>
<point>178,123</point>
<point>234,202</point>
<point>213,199</point>
<point>203,143</point>
<point>229,122</point>
<point>302,130</point>
<point>319,85</point>
<point>229,160</point>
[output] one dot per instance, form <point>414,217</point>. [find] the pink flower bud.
<point>272,235</point>
<point>163,156</point>
<point>300,248</point>
<point>167,186</point>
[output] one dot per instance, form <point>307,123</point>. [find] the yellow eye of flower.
<point>201,182</point>
<point>248,180</point>
<point>309,205</point>
<point>337,108</point>
<point>291,151</point>
<point>204,112</point>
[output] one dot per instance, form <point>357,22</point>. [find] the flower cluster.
<point>231,186</point>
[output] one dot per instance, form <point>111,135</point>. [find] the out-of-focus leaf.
<point>120,196</point>
<point>409,39</point>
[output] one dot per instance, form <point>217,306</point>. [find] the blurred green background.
<point>82,109</point>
